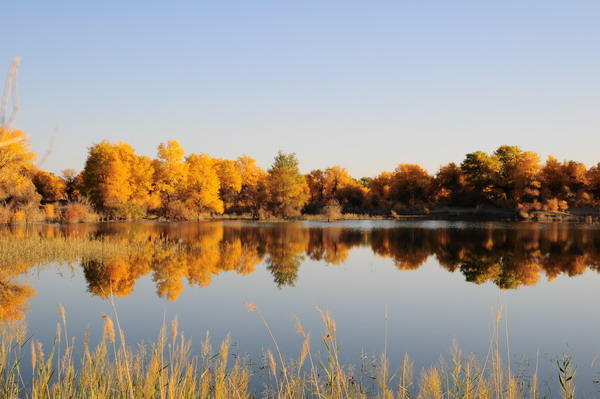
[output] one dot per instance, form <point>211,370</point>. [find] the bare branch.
<point>50,148</point>
<point>10,85</point>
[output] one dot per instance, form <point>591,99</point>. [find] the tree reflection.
<point>285,248</point>
<point>173,254</point>
<point>14,297</point>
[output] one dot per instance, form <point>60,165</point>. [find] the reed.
<point>37,250</point>
<point>168,368</point>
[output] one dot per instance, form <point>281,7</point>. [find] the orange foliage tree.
<point>49,186</point>
<point>410,186</point>
<point>565,181</point>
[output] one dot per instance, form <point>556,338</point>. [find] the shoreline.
<point>462,215</point>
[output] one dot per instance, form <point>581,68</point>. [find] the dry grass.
<point>168,368</point>
<point>344,216</point>
<point>37,250</point>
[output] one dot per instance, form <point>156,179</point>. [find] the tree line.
<point>117,183</point>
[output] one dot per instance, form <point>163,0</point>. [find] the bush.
<point>77,212</point>
<point>128,212</point>
<point>263,214</point>
<point>554,205</point>
<point>49,212</point>
<point>177,210</point>
<point>333,210</point>
<point>5,214</point>
<point>18,217</point>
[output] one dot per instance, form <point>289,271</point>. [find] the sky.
<point>362,84</point>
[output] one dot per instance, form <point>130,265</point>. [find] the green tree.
<point>286,186</point>
<point>480,170</point>
<point>517,177</point>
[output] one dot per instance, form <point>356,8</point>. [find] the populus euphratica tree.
<point>286,186</point>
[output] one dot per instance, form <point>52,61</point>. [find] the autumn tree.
<point>143,193</point>
<point>410,185</point>
<point>230,179</point>
<point>201,190</point>
<point>449,184</point>
<point>72,181</point>
<point>380,189</point>
<point>253,190</point>
<point>480,171</point>
<point>316,186</point>
<point>286,186</point>
<point>50,187</point>
<point>593,180</point>
<point>565,181</point>
<point>170,170</point>
<point>118,181</point>
<point>18,198</point>
<point>335,184</point>
<point>16,165</point>
<point>517,177</point>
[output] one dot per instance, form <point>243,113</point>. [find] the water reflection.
<point>115,256</point>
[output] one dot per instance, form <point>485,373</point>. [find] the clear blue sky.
<point>363,84</point>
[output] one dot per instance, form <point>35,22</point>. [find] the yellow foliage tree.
<point>49,186</point>
<point>380,189</point>
<point>517,178</point>
<point>117,180</point>
<point>410,185</point>
<point>170,169</point>
<point>16,164</point>
<point>142,183</point>
<point>230,180</point>
<point>202,186</point>
<point>253,178</point>
<point>565,181</point>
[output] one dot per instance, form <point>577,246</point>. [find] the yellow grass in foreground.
<point>167,369</point>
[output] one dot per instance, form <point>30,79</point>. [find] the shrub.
<point>19,217</point>
<point>177,210</point>
<point>554,205</point>
<point>33,213</point>
<point>5,214</point>
<point>263,214</point>
<point>77,212</point>
<point>49,212</point>
<point>128,212</point>
<point>333,210</point>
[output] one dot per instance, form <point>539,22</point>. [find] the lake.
<point>420,284</point>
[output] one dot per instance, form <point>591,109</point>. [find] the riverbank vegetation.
<point>118,184</point>
<point>170,368</point>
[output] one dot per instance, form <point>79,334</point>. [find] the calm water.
<point>439,282</point>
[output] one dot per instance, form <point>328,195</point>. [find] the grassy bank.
<point>167,368</point>
<point>35,250</point>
